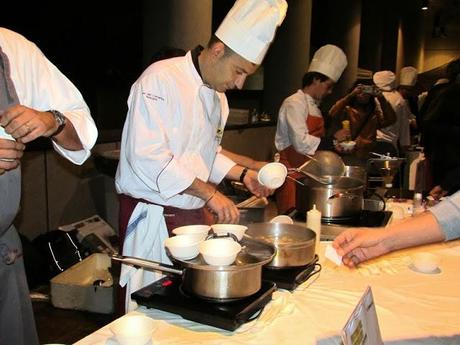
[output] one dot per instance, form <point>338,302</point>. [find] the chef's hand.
<point>224,209</point>
<point>10,154</point>
<point>342,134</point>
<point>27,124</point>
<point>252,184</point>
<point>358,245</point>
<point>437,192</point>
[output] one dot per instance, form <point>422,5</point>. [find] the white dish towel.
<point>144,239</point>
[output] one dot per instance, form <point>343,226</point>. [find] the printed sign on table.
<point>362,328</point>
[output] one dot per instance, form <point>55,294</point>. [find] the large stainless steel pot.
<point>343,199</point>
<point>218,283</point>
<point>295,244</point>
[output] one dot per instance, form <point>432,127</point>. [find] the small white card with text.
<point>362,328</point>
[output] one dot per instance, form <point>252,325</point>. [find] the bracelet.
<point>211,196</point>
<point>243,174</point>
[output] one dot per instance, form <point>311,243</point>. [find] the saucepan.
<point>295,244</point>
<point>241,279</point>
<point>343,199</point>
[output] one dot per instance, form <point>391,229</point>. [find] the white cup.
<point>425,262</point>
<point>272,175</point>
<point>4,135</point>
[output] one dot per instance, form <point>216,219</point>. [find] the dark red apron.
<point>285,195</point>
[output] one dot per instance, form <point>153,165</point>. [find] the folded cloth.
<point>144,239</point>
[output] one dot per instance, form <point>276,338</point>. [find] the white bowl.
<point>425,262</point>
<point>183,247</point>
<point>235,229</point>
<point>282,219</point>
<point>133,329</point>
<point>348,145</point>
<point>219,251</point>
<point>198,232</point>
<point>272,175</point>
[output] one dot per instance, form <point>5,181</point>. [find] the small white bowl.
<point>282,219</point>
<point>219,251</point>
<point>348,145</point>
<point>272,175</point>
<point>198,232</point>
<point>235,229</point>
<point>425,262</point>
<point>133,330</point>
<point>183,247</point>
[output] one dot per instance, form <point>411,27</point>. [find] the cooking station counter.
<point>412,308</point>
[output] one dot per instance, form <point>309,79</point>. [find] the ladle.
<point>320,179</point>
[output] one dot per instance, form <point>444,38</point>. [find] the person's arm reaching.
<point>358,245</point>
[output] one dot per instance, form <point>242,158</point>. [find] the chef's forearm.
<point>234,173</point>
<point>201,189</point>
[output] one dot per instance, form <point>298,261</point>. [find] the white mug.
<point>4,135</point>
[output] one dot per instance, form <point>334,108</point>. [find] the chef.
<point>170,162</point>
<point>395,138</point>
<point>300,129</point>
<point>407,81</point>
<point>36,100</point>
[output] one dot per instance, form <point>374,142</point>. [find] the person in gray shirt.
<point>439,223</point>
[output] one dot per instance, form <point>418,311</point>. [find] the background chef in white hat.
<point>300,129</point>
<point>170,162</point>
<point>407,89</point>
<point>396,136</point>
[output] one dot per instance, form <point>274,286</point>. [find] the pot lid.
<point>253,253</point>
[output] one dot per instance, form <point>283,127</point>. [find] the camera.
<point>370,89</point>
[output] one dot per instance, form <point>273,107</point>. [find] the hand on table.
<point>252,184</point>
<point>358,245</point>
<point>27,124</point>
<point>10,154</point>
<point>437,192</point>
<point>223,208</point>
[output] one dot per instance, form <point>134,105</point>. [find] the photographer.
<point>366,110</point>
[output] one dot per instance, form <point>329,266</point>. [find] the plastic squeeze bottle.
<point>346,125</point>
<point>314,224</point>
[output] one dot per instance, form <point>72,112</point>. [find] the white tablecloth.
<point>412,308</point>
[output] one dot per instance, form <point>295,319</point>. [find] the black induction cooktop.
<point>291,278</point>
<point>166,294</point>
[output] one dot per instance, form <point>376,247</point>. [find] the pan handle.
<point>130,260</point>
<point>342,195</point>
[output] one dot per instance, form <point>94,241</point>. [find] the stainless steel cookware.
<point>343,199</point>
<point>295,244</point>
<point>218,283</point>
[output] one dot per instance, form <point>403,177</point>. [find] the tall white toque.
<point>329,60</point>
<point>408,76</point>
<point>250,26</point>
<point>385,80</point>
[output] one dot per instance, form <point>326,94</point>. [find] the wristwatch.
<point>60,119</point>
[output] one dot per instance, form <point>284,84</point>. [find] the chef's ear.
<point>218,50</point>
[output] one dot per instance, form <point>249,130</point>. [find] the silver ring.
<point>27,128</point>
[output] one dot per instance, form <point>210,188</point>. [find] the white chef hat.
<point>329,60</point>
<point>385,80</point>
<point>408,76</point>
<point>250,26</point>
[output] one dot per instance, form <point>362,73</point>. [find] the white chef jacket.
<point>398,131</point>
<point>292,124</point>
<point>41,86</point>
<point>170,135</point>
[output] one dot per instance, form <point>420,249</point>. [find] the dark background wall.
<point>97,44</point>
